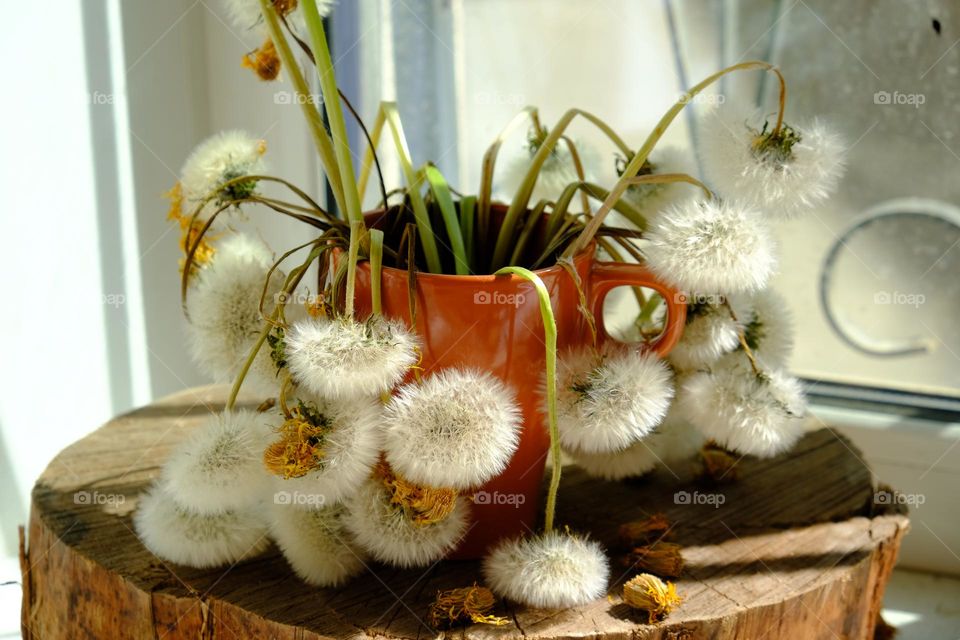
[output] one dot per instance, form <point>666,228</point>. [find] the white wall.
<point>54,383</point>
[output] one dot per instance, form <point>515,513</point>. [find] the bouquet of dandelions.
<point>388,451</point>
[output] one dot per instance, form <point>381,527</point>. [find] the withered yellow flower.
<point>263,61</point>
<point>189,232</point>
<point>651,594</point>
<point>423,505</point>
<point>466,604</point>
<point>300,447</point>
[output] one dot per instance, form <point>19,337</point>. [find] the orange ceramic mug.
<point>493,323</point>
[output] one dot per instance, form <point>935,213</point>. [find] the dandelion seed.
<point>783,174</point>
<point>458,428</point>
<point>609,400</point>
<point>711,246</point>
<point>554,570</point>
<point>751,414</point>
<point>316,544</point>
<point>341,358</point>
<point>197,540</point>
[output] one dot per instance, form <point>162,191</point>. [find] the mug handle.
<point>606,276</point>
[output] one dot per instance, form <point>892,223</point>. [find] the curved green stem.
<point>636,162</point>
<point>321,139</point>
<point>485,195</point>
<point>550,340</point>
<point>331,103</point>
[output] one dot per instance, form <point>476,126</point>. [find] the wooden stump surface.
<point>796,550</point>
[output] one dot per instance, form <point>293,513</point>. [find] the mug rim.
<point>587,253</point>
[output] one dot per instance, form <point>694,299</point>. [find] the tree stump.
<point>796,550</point>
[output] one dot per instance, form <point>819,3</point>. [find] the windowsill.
<point>921,459</point>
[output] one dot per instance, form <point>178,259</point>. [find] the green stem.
<point>376,265</point>
<point>315,122</point>
<point>441,192</point>
<point>356,230</point>
<point>550,336</point>
<point>636,162</point>
<point>331,103</point>
<point>293,280</point>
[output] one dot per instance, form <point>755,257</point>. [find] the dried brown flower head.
<point>264,61</point>
<point>639,532</point>
<point>719,465</point>
<point>467,604</point>
<point>651,594</point>
<point>423,505</point>
<point>661,558</point>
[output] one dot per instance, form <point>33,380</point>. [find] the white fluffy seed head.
<point>245,15</point>
<point>385,532</point>
<point>557,172</point>
<point>754,415</point>
<point>711,246</point>
<point>457,429</point>
<point>550,571</point>
<point>218,159</point>
<point>674,441</point>
<point>316,544</point>
<point>340,358</point>
<point>608,400</point>
<point>351,448</point>
<point>778,185</point>
<point>710,331</point>
<point>197,540</point>
<point>220,466</point>
<point>769,328</point>
<point>223,315</point>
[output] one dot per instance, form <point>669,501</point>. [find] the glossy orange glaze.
<point>494,324</point>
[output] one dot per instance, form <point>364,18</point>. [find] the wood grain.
<point>795,550</point>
